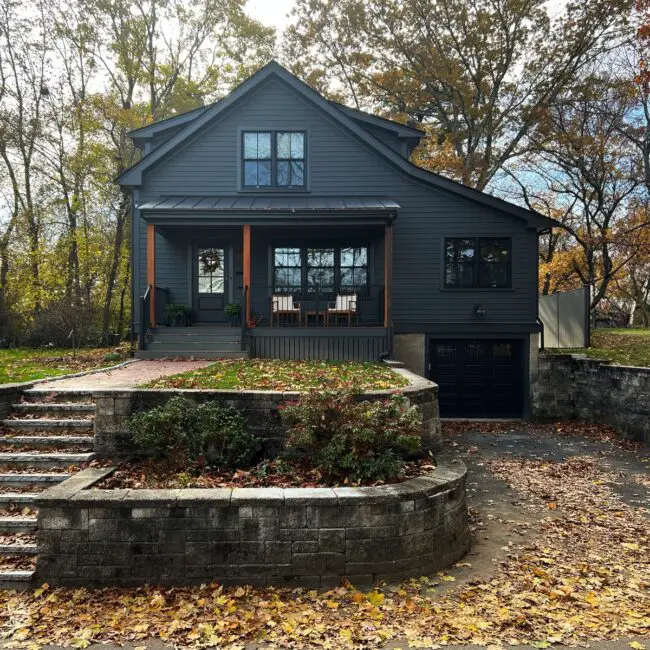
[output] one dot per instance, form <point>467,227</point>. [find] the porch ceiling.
<point>286,206</point>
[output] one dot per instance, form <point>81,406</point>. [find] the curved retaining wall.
<point>312,537</point>
<point>114,408</point>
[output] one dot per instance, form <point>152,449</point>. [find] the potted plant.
<point>233,311</point>
<point>177,315</point>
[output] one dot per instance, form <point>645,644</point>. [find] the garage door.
<point>478,378</point>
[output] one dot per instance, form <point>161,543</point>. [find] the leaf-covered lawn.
<point>627,347</point>
<point>270,374</point>
<point>584,576</point>
<point>27,364</point>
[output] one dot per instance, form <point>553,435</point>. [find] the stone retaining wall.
<point>114,408</point>
<point>10,394</point>
<point>575,387</point>
<point>312,537</point>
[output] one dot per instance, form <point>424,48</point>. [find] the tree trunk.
<point>122,216</point>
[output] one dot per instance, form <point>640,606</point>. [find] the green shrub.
<point>207,433</point>
<point>350,439</point>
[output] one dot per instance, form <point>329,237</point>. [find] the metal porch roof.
<point>273,204</point>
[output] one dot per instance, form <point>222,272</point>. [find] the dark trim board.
<point>477,330</point>
<point>329,344</point>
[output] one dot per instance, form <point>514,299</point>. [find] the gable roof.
<point>133,175</point>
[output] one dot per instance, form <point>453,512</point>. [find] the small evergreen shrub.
<point>353,440</point>
<point>206,434</point>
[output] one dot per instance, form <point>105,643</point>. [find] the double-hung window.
<point>482,262</point>
<point>273,159</point>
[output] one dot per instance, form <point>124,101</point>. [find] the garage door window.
<point>477,262</point>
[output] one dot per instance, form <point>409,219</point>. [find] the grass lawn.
<point>27,364</point>
<point>628,347</point>
<point>271,374</point>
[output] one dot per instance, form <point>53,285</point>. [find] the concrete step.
<point>49,396</point>
<point>18,549</point>
<point>171,346</point>
<point>189,354</point>
<point>42,459</point>
<point>47,441</point>
<point>45,409</point>
<point>17,498</point>
<point>17,524</point>
<point>33,424</point>
<point>195,335</point>
<point>17,580</point>
<point>196,329</point>
<point>24,479</point>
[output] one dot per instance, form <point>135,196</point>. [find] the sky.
<point>272,13</point>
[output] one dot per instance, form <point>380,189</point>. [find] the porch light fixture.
<point>480,311</point>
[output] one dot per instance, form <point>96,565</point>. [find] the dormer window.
<point>273,159</point>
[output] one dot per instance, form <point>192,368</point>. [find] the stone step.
<point>18,549</point>
<point>18,580</point>
<point>51,409</point>
<point>49,396</point>
<point>47,441</point>
<point>189,354</point>
<point>43,459</point>
<point>17,524</point>
<point>59,425</point>
<point>17,498</point>
<point>23,479</point>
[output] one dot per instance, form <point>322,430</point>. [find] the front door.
<point>210,284</point>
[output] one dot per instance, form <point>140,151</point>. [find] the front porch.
<point>286,288</point>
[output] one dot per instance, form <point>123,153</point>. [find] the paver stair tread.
<point>21,498</point>
<point>8,524</point>
<point>49,396</point>
<point>15,579</point>
<point>41,456</point>
<point>45,440</point>
<point>18,549</point>
<point>53,406</point>
<point>35,423</point>
<point>22,477</point>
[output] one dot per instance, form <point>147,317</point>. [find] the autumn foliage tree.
<point>478,76</point>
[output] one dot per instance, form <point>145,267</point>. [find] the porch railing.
<point>318,308</point>
<point>145,307</point>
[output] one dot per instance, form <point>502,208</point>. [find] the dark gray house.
<point>309,216</point>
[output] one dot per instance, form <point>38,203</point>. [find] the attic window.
<point>273,159</point>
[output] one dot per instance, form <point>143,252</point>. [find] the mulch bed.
<point>152,474</point>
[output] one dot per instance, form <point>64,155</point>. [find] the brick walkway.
<point>129,376</point>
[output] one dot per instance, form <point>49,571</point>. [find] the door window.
<point>211,270</point>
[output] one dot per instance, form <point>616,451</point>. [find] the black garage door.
<point>478,378</point>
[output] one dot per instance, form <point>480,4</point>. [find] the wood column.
<point>388,275</point>
<point>247,272</point>
<point>151,272</point>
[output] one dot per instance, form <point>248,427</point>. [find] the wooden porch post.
<point>388,275</point>
<point>247,272</point>
<point>151,271</point>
